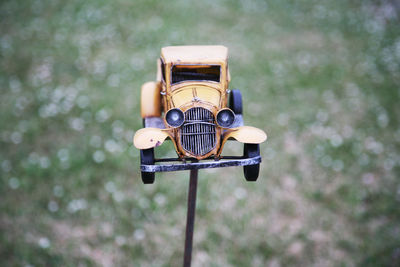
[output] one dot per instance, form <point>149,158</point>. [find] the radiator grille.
<point>198,131</point>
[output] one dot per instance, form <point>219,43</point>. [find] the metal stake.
<point>191,211</point>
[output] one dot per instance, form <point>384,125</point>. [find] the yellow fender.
<point>150,100</point>
<point>245,134</point>
<point>147,138</point>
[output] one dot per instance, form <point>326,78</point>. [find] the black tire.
<point>235,101</point>
<point>147,158</point>
<point>251,171</point>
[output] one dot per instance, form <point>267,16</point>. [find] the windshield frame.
<point>205,65</point>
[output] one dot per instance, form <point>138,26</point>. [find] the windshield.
<point>182,73</point>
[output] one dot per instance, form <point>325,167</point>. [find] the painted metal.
<point>150,100</point>
<point>191,139</point>
<point>150,137</point>
<point>245,134</point>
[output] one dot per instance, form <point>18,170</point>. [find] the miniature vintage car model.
<point>189,105</point>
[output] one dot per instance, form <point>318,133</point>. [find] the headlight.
<point>225,118</point>
<point>174,117</point>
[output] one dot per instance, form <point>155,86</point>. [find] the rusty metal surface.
<point>154,122</point>
<point>238,121</point>
<point>190,218</point>
<point>198,133</point>
<point>201,165</point>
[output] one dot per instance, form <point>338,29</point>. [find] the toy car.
<point>188,104</point>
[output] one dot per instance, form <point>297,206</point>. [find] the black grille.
<point>198,131</point>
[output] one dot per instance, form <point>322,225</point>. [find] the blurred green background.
<point>322,78</point>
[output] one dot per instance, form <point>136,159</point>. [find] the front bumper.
<point>204,164</point>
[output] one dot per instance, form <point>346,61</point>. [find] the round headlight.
<point>174,117</point>
<point>225,117</point>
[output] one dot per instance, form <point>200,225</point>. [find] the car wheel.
<point>251,171</point>
<point>235,101</point>
<point>147,158</point>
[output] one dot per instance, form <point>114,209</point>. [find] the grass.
<point>320,77</point>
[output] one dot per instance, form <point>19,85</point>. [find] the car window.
<point>162,69</point>
<point>182,73</point>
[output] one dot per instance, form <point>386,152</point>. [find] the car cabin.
<point>181,68</point>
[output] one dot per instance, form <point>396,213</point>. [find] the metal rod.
<point>191,211</point>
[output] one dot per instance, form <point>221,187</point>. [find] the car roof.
<point>192,54</point>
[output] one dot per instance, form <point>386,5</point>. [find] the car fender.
<point>146,138</point>
<point>244,134</point>
<point>150,100</point>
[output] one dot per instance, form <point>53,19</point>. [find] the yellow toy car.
<point>189,105</point>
